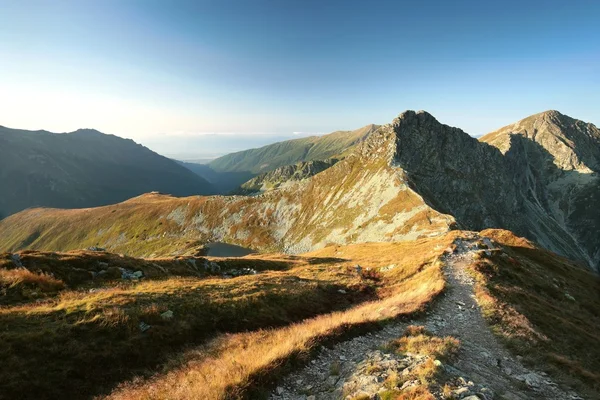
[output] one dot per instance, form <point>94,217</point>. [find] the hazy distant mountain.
<point>84,168</point>
<point>289,152</point>
<point>230,171</point>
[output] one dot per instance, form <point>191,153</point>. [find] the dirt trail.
<point>487,369</point>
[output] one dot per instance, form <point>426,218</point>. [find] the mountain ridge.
<point>83,168</point>
<point>414,177</point>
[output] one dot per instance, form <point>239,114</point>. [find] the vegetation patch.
<point>545,307</point>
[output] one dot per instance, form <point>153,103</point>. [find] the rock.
<point>437,363</point>
<point>508,371</point>
<point>358,269</point>
<point>311,397</point>
<point>102,265</point>
<point>279,390</point>
<point>16,259</point>
<point>96,248</point>
<point>112,273</point>
<point>144,326</point>
<point>461,391</point>
<point>472,397</point>
<point>342,291</point>
<point>569,297</point>
<point>137,274</point>
<point>167,315</point>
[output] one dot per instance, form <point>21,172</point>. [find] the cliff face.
<point>555,161</point>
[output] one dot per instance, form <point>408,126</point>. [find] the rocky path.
<point>483,369</point>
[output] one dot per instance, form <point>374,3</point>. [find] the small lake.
<point>218,249</point>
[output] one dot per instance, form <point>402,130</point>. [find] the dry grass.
<point>416,340</point>
<point>231,366</point>
<point>545,307</point>
<point>20,284</point>
<point>247,327</point>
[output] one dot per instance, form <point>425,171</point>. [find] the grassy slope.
<point>74,342</point>
<point>82,169</point>
<point>545,307</point>
<point>369,199</point>
<point>291,151</point>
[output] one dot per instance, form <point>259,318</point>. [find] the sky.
<point>196,79</point>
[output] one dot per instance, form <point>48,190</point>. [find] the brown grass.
<point>416,340</point>
<point>231,366</point>
<point>246,327</point>
<point>545,307</point>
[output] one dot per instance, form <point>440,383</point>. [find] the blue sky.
<point>204,77</point>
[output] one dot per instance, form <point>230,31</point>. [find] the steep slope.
<point>82,169</point>
<point>274,179</point>
<point>555,159</point>
<point>289,152</point>
<point>360,199</point>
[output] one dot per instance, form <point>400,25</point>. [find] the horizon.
<point>217,77</point>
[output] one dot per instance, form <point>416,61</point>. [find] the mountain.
<point>414,177</point>
<point>279,176</point>
<point>292,151</point>
<point>230,171</point>
<point>84,168</point>
<point>555,160</point>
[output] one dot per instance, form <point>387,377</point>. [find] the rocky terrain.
<point>482,370</point>
<point>411,178</point>
<point>287,173</point>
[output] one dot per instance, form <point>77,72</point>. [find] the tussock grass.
<point>417,341</point>
<point>545,307</point>
<point>20,284</point>
<point>231,366</point>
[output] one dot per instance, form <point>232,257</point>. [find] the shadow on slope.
<point>85,339</point>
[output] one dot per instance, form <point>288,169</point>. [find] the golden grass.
<point>88,334</point>
<point>545,307</point>
<point>232,365</point>
<point>416,340</point>
<point>20,284</point>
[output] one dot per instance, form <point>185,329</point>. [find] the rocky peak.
<point>571,144</point>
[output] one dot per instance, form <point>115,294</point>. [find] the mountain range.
<point>412,178</point>
<point>84,168</point>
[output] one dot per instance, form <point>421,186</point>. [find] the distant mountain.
<point>288,152</point>
<point>414,177</point>
<point>228,172</point>
<point>84,168</point>
<point>222,182</point>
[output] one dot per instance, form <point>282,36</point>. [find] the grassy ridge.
<point>289,152</point>
<point>84,337</point>
<point>545,307</point>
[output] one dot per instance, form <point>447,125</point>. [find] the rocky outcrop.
<point>276,178</point>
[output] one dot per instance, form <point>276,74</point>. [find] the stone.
<point>472,397</point>
<point>167,315</point>
<point>311,397</point>
<point>16,259</point>
<point>342,291</point>
<point>144,326</point>
<point>569,297</point>
<point>279,390</point>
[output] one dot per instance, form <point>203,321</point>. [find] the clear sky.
<point>164,72</point>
